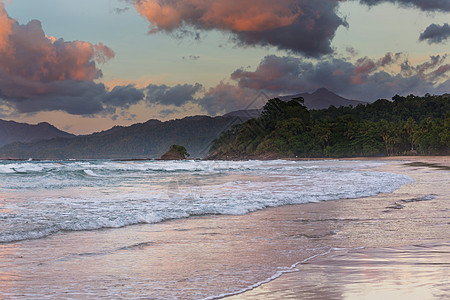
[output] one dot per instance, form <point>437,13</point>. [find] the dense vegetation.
<point>405,126</point>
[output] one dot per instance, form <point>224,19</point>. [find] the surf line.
<point>291,269</point>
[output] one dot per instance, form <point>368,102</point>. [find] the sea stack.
<point>176,152</point>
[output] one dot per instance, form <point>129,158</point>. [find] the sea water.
<point>67,223</point>
<point>40,198</point>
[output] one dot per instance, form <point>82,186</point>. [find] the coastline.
<point>405,258</point>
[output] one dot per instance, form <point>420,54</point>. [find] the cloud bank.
<point>42,73</point>
<point>425,5</point>
<point>436,34</point>
<point>301,26</point>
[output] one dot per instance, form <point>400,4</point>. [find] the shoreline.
<point>389,262</point>
<point>363,158</point>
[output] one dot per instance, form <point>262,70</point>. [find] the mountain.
<point>322,99</point>
<point>11,131</point>
<point>143,140</point>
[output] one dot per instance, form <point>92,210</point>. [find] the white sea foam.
<point>91,173</point>
<point>42,198</point>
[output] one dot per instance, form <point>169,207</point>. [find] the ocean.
<point>163,229</point>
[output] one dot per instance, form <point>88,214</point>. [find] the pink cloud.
<point>299,25</point>
<point>238,15</point>
<point>28,53</point>
<point>365,66</point>
<point>5,26</point>
<point>42,73</point>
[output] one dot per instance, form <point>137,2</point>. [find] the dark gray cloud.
<point>74,97</point>
<point>301,26</point>
<point>436,34</point>
<point>426,5</point>
<point>123,96</point>
<point>177,95</point>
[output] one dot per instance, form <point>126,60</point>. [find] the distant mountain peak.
<point>323,98</point>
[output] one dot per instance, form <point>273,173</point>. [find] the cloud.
<point>435,34</point>
<point>42,73</point>
<point>177,95</point>
<point>301,26</point>
<point>426,5</point>
<point>73,97</point>
<point>123,96</point>
<point>365,79</point>
<point>5,26</point>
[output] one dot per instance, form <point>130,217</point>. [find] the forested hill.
<point>406,125</point>
<point>11,131</point>
<point>143,140</point>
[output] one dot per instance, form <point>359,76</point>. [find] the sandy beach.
<point>406,256</point>
<point>391,246</point>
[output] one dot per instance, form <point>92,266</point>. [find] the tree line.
<point>409,125</point>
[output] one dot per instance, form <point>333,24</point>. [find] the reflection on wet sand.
<point>415,272</point>
<point>8,257</point>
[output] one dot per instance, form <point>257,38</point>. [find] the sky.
<point>85,66</point>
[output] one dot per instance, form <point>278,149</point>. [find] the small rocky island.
<point>176,152</point>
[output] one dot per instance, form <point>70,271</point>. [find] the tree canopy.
<point>405,126</point>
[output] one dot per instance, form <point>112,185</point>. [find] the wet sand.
<point>404,239</point>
